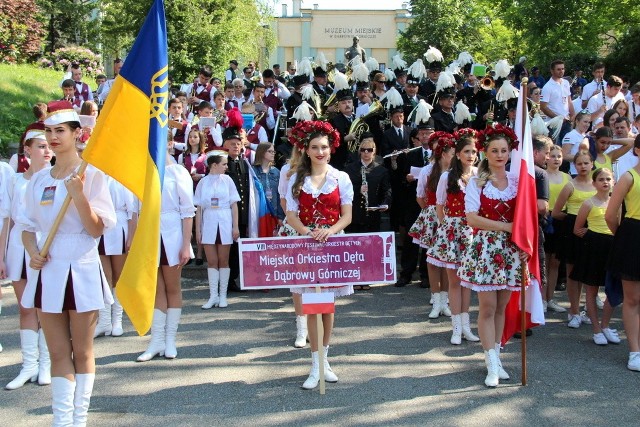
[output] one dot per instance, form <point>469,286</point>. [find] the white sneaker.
<point>554,306</point>
<point>600,339</point>
<point>574,321</point>
<point>599,302</point>
<point>634,362</point>
<point>611,335</point>
<point>584,318</point>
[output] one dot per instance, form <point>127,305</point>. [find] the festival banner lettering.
<point>289,262</point>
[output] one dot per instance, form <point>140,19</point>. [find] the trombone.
<point>359,125</point>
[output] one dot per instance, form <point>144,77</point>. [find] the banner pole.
<point>320,329</point>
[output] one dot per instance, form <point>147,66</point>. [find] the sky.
<point>343,4</point>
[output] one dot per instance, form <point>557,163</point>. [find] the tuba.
<point>359,126</point>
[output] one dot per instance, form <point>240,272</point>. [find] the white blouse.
<point>443,184</point>
<point>472,195</point>
<point>335,178</point>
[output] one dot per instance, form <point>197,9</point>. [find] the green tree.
<point>75,22</point>
<point>199,32</point>
<point>20,31</point>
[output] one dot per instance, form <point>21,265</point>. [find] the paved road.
<point>237,367</point>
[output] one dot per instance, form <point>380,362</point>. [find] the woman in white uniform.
<point>176,220</point>
<point>113,247</point>
<point>68,286</point>
<point>217,224</point>
<point>35,354</point>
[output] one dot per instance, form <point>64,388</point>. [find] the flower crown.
<point>468,133</point>
<point>498,130</point>
<point>301,132</point>
<point>439,141</point>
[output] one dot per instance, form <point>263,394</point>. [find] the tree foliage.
<point>71,22</point>
<point>199,32</point>
<point>20,31</point>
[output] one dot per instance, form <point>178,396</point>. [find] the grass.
<point>21,86</point>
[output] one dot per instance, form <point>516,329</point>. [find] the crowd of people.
<point>333,149</point>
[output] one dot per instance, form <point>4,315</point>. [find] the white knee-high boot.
<point>214,276</point>
<point>116,317</point>
<point>491,360</point>
<point>466,328</point>
<point>29,371</point>
<point>62,393</point>
<point>224,285</point>
<point>329,376</point>
<point>173,320</point>
<point>436,307</point>
<point>456,326</point>
<point>444,304</point>
<point>157,343</point>
<point>301,333</point>
<point>314,375</point>
<point>502,374</point>
<point>82,398</point>
<point>44,362</point>
<point>104,322</point>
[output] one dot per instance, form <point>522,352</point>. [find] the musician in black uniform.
<point>342,123</point>
<point>428,87</point>
<point>295,99</point>
<point>377,188</point>
<point>489,110</point>
<point>443,117</point>
<point>320,84</point>
<point>396,138</point>
<point>411,98</point>
<point>401,79</point>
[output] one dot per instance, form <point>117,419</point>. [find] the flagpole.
<point>523,264</point>
<point>63,210</point>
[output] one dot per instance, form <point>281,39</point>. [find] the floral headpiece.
<point>501,131</point>
<point>439,141</point>
<point>301,132</point>
<point>469,133</point>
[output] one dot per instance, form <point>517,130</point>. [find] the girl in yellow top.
<point>574,193</point>
<point>625,257</point>
<point>557,181</point>
<point>603,140</point>
<point>591,265</point>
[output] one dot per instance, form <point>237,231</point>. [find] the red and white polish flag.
<point>318,303</point>
<point>525,225</point>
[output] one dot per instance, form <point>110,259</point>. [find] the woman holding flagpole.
<point>319,200</point>
<point>491,264</point>
<point>68,286</point>
<point>176,220</point>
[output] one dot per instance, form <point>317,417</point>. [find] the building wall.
<point>331,32</point>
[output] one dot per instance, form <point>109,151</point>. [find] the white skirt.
<point>114,238</point>
<point>216,221</point>
<point>171,234</point>
<point>75,254</point>
<point>17,256</point>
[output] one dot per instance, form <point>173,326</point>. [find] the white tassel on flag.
<point>422,112</point>
<point>417,69</point>
<point>372,64</point>
<point>538,126</point>
<point>555,125</point>
<point>462,113</point>
<point>502,69</point>
<point>433,54</point>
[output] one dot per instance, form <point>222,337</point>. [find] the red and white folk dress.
<point>492,262</point>
<point>425,228</point>
<point>320,208</point>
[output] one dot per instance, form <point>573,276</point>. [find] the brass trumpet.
<point>487,83</point>
<point>359,126</point>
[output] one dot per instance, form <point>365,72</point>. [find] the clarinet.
<point>364,182</point>
<point>604,98</point>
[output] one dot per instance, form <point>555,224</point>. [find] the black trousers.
<point>234,262</point>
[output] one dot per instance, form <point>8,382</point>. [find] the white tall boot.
<point>82,398</point>
<point>157,344</point>
<point>456,326</point>
<point>491,360</point>
<point>502,374</point>
<point>104,322</point>
<point>466,328</point>
<point>224,285</point>
<point>329,376</point>
<point>29,371</point>
<point>444,303</point>
<point>214,300</point>
<point>44,362</point>
<point>314,375</point>
<point>173,320</point>
<point>62,391</point>
<point>301,335</point>
<point>116,317</point>
<point>436,307</point>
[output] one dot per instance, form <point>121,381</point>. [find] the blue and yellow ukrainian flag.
<point>129,143</point>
